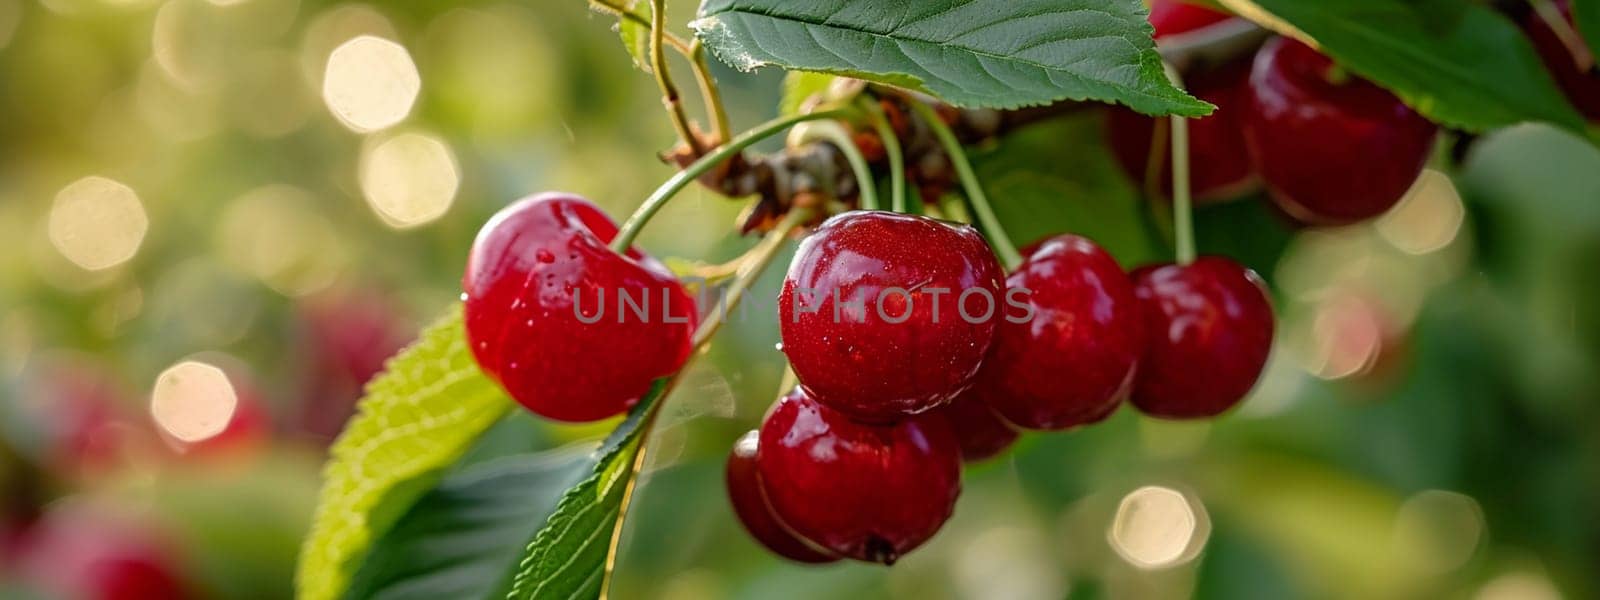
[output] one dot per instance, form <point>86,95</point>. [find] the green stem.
<point>1565,33</point>
<point>748,272</point>
<point>669,92</point>
<point>1182,204</point>
<point>969,182</point>
<point>891,147</point>
<point>709,92</point>
<point>833,132</point>
<point>630,229</point>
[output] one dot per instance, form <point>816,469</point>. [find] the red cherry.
<point>868,492</point>
<point>80,554</point>
<point>1069,358</point>
<point>926,295</point>
<point>1209,329</point>
<point>980,431</point>
<point>348,337</point>
<point>1333,148</point>
<point>1172,17</point>
<point>532,268</point>
<point>1220,167</point>
<point>1582,85</point>
<point>750,503</point>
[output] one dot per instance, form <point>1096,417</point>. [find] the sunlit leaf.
<point>416,419</point>
<point>992,53</point>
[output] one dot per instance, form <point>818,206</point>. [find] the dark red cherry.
<point>533,268</point>
<point>1220,167</point>
<point>980,431</point>
<point>1575,72</point>
<point>868,492</point>
<point>750,504</point>
<point>1332,148</point>
<point>1209,329</point>
<point>1065,355</point>
<point>886,315</point>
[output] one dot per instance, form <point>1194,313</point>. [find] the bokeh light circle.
<point>97,223</point>
<point>370,83</point>
<point>409,179</point>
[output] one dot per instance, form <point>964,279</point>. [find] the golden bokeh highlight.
<point>1439,531</point>
<point>193,401</point>
<point>370,83</point>
<point>1428,219</point>
<point>1347,336</point>
<point>273,233</point>
<point>333,27</point>
<point>97,223</point>
<point>409,179</point>
<point>1158,527</point>
<point>1519,585</point>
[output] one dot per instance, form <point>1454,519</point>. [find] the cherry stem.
<point>709,92</point>
<point>630,229</point>
<point>694,52</point>
<point>891,147</point>
<point>833,132</point>
<point>749,271</point>
<point>669,92</point>
<point>969,182</point>
<point>1182,204</point>
<point>1552,17</point>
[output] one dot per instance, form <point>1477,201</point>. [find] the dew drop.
<point>778,346</point>
<point>463,296</point>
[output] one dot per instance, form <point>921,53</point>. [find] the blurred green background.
<point>217,226</point>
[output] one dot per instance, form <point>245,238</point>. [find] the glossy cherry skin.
<point>868,492</point>
<point>1220,167</point>
<point>750,504</point>
<point>1068,357</point>
<point>1582,87</point>
<point>979,430</point>
<point>1332,148</point>
<point>1209,330</point>
<point>534,266</point>
<point>893,355</point>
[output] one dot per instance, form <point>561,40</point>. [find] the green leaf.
<point>1475,71</point>
<point>799,86</point>
<point>1586,16</point>
<point>991,53</point>
<point>567,559</point>
<point>1035,198</point>
<point>635,35</point>
<point>416,420</point>
<point>462,540</point>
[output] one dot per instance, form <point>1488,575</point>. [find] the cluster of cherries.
<point>912,347</point>
<point>1330,148</point>
<point>914,350</point>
